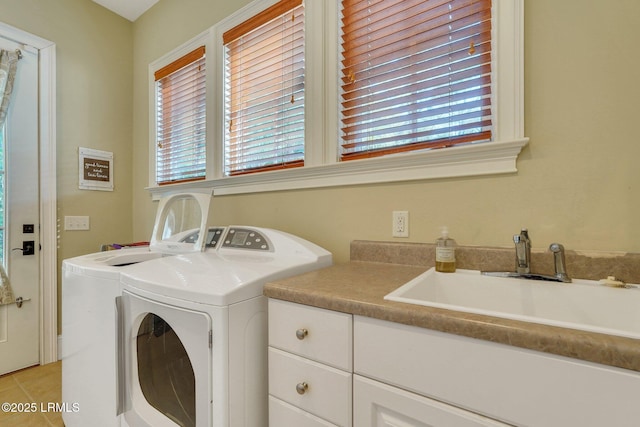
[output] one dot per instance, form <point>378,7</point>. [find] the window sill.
<point>459,161</point>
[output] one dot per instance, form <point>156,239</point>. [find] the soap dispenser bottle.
<point>445,253</point>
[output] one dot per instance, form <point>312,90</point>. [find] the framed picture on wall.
<point>95,169</point>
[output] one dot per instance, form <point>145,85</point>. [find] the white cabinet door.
<point>508,383</point>
<point>380,405</point>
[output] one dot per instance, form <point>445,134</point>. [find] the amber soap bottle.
<point>445,253</point>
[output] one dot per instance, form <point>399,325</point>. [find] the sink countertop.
<point>358,287</point>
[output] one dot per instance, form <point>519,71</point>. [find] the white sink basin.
<point>584,304</point>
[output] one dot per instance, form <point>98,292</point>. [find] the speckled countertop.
<point>358,287</point>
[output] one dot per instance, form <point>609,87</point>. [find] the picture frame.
<point>95,169</point>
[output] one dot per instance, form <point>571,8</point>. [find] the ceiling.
<point>130,9</point>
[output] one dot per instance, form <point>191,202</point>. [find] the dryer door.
<point>168,364</point>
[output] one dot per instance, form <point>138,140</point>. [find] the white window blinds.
<point>264,91</point>
<point>180,119</point>
<point>415,74</point>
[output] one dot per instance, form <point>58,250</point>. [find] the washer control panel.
<point>214,236</point>
<point>244,238</point>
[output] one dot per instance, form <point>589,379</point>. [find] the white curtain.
<point>6,294</point>
<point>8,67</point>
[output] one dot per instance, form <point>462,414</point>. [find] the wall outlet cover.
<point>400,225</point>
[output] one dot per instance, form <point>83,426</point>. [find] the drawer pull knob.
<point>302,388</point>
<point>301,333</point>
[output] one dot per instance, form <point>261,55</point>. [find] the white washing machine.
<point>195,330</point>
<point>90,288</point>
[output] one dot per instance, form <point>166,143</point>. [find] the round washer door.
<point>168,363</point>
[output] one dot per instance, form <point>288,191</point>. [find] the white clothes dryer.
<point>90,291</point>
<point>88,347</point>
<point>195,330</point>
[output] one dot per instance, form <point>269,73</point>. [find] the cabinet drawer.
<point>327,393</point>
<point>281,414</point>
<point>328,336</point>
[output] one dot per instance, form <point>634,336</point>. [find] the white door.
<point>20,211</point>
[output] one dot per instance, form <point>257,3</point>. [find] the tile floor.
<point>36,387</point>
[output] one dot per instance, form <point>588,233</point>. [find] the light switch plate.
<point>76,223</point>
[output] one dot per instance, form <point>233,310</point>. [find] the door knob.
<point>28,247</point>
<point>20,301</point>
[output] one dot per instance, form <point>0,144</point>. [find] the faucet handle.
<point>523,252</point>
<point>559,262</point>
<point>523,236</point>
<point>556,247</point>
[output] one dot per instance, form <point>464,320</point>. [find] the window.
<point>415,74</point>
<point>180,119</point>
<point>383,85</point>
<point>165,372</point>
<point>264,91</point>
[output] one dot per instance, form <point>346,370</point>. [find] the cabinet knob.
<point>301,333</point>
<point>302,388</point>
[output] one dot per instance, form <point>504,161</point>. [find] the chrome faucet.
<point>523,252</point>
<point>559,263</point>
<point>523,261</point>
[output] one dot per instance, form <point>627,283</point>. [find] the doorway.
<point>20,216</point>
<point>28,334</point>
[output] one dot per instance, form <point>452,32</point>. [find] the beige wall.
<point>163,28</point>
<point>577,182</point>
<point>94,110</point>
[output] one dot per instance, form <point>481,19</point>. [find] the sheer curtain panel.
<point>8,68</point>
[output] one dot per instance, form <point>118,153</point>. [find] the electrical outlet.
<point>73,223</point>
<point>400,225</point>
